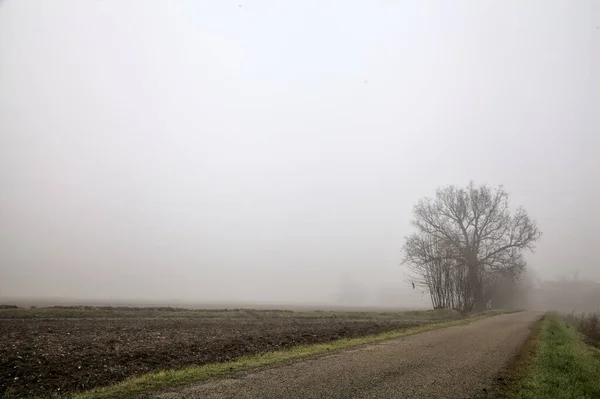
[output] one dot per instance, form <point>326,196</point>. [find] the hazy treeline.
<point>566,296</point>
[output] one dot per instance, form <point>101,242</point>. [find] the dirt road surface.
<point>454,362</point>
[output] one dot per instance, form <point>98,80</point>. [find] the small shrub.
<point>588,325</point>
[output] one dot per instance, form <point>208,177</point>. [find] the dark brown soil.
<point>46,356</point>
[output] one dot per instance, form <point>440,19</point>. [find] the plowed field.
<point>50,351</point>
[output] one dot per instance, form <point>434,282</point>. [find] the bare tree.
<point>436,270</point>
<point>469,230</point>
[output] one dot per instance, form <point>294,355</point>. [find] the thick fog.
<point>272,151</point>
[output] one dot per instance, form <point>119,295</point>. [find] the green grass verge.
<point>562,367</point>
<point>168,378</point>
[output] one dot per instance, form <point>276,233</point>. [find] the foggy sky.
<point>273,151</point>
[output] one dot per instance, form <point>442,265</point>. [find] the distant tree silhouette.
<point>466,240</point>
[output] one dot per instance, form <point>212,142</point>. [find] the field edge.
<point>555,363</point>
<point>161,380</point>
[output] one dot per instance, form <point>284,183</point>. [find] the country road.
<point>454,362</point>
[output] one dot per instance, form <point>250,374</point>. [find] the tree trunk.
<point>476,283</point>
<point>479,298</point>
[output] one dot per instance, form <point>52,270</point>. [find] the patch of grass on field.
<point>118,312</point>
<point>416,315</point>
<point>563,366</point>
<point>170,378</point>
<point>85,312</point>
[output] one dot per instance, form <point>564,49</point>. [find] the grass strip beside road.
<point>169,378</point>
<point>562,366</point>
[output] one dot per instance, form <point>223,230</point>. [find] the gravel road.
<point>454,362</point>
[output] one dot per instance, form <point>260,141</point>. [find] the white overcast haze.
<point>272,151</point>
